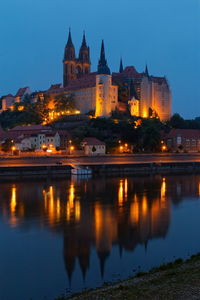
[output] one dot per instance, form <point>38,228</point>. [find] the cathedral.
<point>146,95</point>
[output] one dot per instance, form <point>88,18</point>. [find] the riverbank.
<point>140,165</point>
<point>176,280</point>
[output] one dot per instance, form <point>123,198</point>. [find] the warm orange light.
<point>164,148</point>
<point>72,148</point>
<point>13,148</point>
<point>121,193</point>
<point>13,201</point>
<point>163,190</point>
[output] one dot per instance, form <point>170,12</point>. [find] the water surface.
<point>63,236</point>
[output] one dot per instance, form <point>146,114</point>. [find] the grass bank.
<point>173,281</point>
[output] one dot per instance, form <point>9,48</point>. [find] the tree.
<point>176,121</point>
<point>64,102</point>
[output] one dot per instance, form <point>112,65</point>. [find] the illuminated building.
<point>92,91</point>
<point>148,96</point>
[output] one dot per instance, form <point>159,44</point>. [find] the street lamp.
<point>121,148</point>
<point>13,149</point>
<point>71,149</point>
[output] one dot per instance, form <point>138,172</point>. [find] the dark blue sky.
<point>164,33</point>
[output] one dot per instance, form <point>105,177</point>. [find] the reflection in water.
<point>98,213</point>
<point>13,204</point>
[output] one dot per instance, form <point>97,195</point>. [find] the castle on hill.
<point>101,91</point>
<point>148,96</point>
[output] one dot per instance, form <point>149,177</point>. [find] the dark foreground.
<point>177,280</point>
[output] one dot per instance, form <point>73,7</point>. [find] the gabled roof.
<point>91,141</point>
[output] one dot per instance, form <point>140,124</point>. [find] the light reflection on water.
<point>81,232</point>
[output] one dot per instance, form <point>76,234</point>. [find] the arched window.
<point>78,71</point>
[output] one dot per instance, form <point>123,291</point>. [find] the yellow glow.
<point>145,115</point>
<point>73,208</point>
<point>126,188</point>
<point>71,194</point>
<point>77,211</point>
<point>13,201</point>
<point>58,209</point>
<point>163,190</point>
<point>72,148</point>
<point>120,193</point>
<point>51,205</point>
<point>98,221</point>
<point>144,205</point>
<point>13,148</point>
<point>134,213</point>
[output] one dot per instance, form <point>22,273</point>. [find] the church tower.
<point>83,62</point>
<point>121,69</point>
<point>69,62</point>
<point>106,92</point>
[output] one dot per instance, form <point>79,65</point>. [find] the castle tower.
<point>102,66</point>
<point>69,62</point>
<point>146,72</point>
<point>121,69</point>
<point>83,62</point>
<point>106,93</point>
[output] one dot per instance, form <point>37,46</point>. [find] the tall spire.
<point>69,42</point>
<point>102,66</point>
<point>102,56</point>
<point>121,69</point>
<point>84,44</point>
<point>84,52</point>
<point>69,49</point>
<point>146,71</point>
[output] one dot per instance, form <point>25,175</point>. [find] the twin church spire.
<point>74,68</point>
<point>84,53</point>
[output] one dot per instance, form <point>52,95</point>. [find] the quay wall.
<point>101,169</point>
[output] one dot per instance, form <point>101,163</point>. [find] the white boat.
<point>81,171</point>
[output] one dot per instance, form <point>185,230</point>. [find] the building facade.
<point>148,96</point>
<point>93,146</point>
<point>183,140</point>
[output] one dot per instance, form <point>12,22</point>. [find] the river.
<point>62,236</point>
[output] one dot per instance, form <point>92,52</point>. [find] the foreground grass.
<point>173,281</point>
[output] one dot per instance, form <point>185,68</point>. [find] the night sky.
<point>163,33</point>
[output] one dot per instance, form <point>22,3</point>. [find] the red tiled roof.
<point>92,141</point>
<point>185,133</point>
